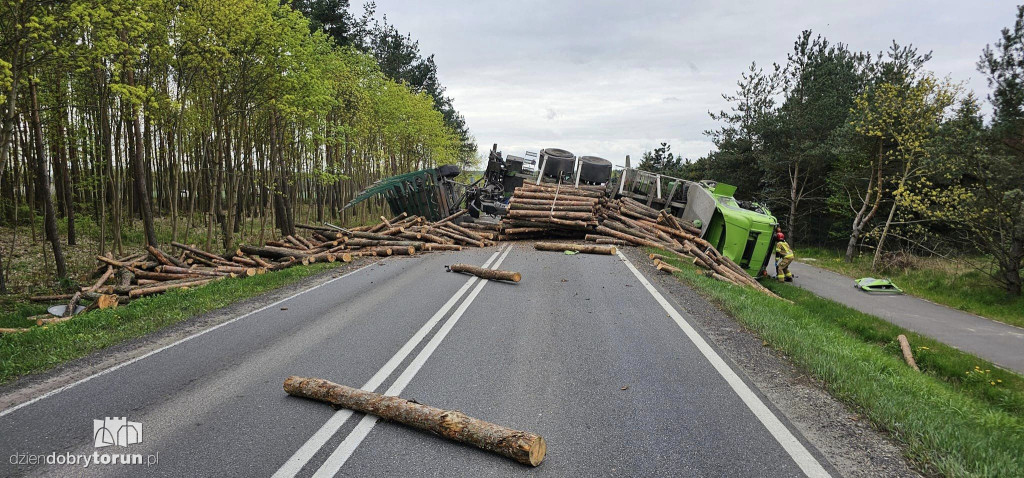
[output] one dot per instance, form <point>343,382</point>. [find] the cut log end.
<point>538,449</point>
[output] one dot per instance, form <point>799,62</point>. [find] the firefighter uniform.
<point>783,257</point>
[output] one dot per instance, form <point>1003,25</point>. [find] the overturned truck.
<point>740,230</point>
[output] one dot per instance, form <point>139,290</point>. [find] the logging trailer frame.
<point>742,230</point>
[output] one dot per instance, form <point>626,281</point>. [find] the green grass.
<point>952,283</point>
<point>45,347</point>
<point>951,418</point>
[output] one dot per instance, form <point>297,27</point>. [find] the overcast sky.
<point>611,78</point>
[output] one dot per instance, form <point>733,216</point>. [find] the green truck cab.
<point>742,231</point>
<point>744,234</point>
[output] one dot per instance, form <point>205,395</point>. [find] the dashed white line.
<point>352,441</point>
<point>319,439</point>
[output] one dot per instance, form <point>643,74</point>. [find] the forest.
<point>874,153</point>
<point>132,122</point>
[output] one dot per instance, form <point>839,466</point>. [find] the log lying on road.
<point>666,267</point>
<point>489,274</point>
<point>584,248</point>
<point>525,447</point>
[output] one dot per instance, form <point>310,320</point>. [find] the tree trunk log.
<point>524,447</point>
<point>584,248</point>
<point>666,267</point>
<point>908,355</point>
<point>490,274</point>
<point>442,247</point>
<point>452,217</point>
<point>69,310</point>
<point>272,252</point>
<point>144,291</point>
<point>16,330</point>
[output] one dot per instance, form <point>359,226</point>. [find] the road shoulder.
<point>843,436</point>
<point>35,385</point>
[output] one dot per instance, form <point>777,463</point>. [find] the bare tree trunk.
<point>888,221</point>
<point>43,184</point>
<point>864,215</point>
<point>141,188</point>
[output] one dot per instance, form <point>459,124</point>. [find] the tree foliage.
<point>230,109</point>
<point>873,151</point>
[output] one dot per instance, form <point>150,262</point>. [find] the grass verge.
<point>959,417</point>
<point>952,283</point>
<point>45,347</point>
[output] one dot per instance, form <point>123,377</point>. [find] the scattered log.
<point>483,273</point>
<point>13,330</point>
<point>50,298</point>
<point>271,251</point>
<point>908,355</point>
<point>584,248</point>
<point>69,310</point>
<point>163,276</point>
<point>102,280</point>
<point>524,447</point>
<point>666,267</point>
<point>181,270</point>
<point>163,258</point>
<point>442,247</point>
<point>452,217</point>
<point>144,291</point>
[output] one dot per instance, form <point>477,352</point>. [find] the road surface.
<point>996,342</point>
<point>584,351</point>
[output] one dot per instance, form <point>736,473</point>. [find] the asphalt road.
<point>996,342</point>
<point>583,351</point>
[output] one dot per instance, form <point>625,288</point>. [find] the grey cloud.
<point>613,78</point>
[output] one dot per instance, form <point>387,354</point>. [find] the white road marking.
<point>306,452</point>
<point>161,349</point>
<point>803,458</point>
<point>352,441</point>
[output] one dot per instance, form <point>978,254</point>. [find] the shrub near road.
<point>959,417</point>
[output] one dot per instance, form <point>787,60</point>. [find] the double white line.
<point>341,454</point>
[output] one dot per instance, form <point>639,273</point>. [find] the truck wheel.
<point>595,170</point>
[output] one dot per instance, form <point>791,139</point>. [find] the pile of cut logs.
<point>634,223</point>
<point>401,235</point>
<point>539,211</point>
<point>119,280</point>
<point>545,210</point>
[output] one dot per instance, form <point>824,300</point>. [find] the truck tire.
<point>557,162</point>
<point>595,170</point>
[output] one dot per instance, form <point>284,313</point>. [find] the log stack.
<point>121,280</point>
<point>546,210</point>
<point>637,224</point>
<point>401,235</point>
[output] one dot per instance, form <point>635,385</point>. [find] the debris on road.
<point>485,273</point>
<point>584,248</point>
<point>547,210</point>
<point>666,267</point>
<point>872,285</point>
<point>525,447</point>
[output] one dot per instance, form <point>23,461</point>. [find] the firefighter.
<point>783,257</point>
